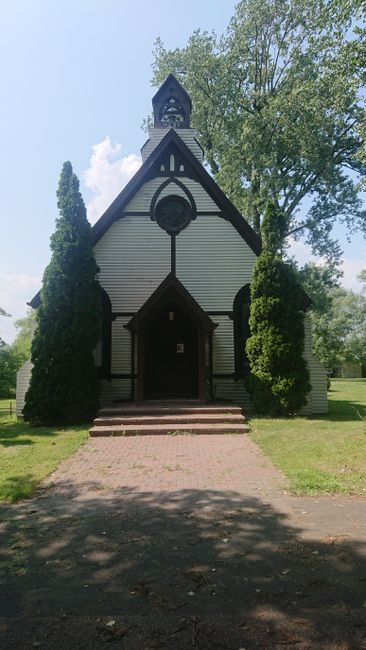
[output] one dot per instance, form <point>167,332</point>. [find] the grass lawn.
<point>29,454</point>
<point>321,454</point>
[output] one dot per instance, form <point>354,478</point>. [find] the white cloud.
<point>350,268</point>
<point>107,175</point>
<point>15,291</point>
<point>301,252</point>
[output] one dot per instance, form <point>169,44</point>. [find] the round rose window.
<point>173,214</point>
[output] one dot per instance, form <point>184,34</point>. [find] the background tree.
<point>338,316</point>
<point>279,380</point>
<point>26,327</point>
<point>2,313</point>
<point>318,281</point>
<point>279,110</point>
<point>339,333</point>
<point>64,385</point>
<point>9,364</point>
<point>362,278</point>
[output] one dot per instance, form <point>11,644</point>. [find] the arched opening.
<point>241,311</point>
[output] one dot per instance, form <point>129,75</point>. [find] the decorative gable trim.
<point>193,169</point>
<point>172,143</point>
<point>171,286</point>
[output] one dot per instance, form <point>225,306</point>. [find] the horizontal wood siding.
<point>134,258</point>
<point>213,262</point>
<point>228,389</point>
<point>121,347</point>
<point>223,345</point>
<point>318,400</point>
<point>23,379</point>
<point>156,135</point>
<point>142,200</point>
<point>116,389</point>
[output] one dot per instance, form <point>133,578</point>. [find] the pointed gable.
<point>170,145</point>
<point>171,289</point>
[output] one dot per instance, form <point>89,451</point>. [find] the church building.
<point>176,260</point>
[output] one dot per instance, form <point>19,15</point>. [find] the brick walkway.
<point>165,466</point>
<point>164,463</point>
<point>180,542</point>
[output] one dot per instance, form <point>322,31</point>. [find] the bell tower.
<point>172,106</point>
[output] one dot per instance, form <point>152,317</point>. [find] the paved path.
<point>159,463</point>
<point>180,542</point>
<point>162,464</point>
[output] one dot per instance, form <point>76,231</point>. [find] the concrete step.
<point>132,409</point>
<point>176,418</point>
<point>165,429</point>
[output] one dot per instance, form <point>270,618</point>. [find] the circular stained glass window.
<point>173,214</point>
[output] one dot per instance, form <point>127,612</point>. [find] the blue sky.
<point>76,86</point>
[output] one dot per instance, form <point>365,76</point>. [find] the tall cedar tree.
<point>64,385</point>
<point>279,378</point>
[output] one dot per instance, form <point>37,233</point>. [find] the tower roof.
<point>172,105</point>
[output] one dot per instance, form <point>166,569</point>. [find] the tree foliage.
<point>64,384</point>
<point>9,364</point>
<point>279,379</point>
<point>2,313</point>
<point>13,356</point>
<point>339,334</point>
<point>317,281</point>
<point>279,110</point>
<point>338,316</point>
<point>26,327</point>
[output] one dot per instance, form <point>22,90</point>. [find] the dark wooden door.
<point>171,355</point>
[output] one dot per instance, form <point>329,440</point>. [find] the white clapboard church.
<point>176,260</point>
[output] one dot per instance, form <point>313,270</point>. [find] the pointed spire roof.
<point>172,105</point>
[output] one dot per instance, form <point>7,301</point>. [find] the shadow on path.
<point>198,569</point>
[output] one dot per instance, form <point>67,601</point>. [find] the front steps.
<point>165,418</point>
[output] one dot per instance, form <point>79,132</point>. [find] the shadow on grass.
<point>20,433</point>
<point>16,488</point>
<point>195,569</point>
<point>340,410</point>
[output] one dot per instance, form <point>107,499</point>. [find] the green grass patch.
<point>321,454</point>
<point>29,454</point>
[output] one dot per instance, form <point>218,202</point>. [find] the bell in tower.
<point>172,105</point>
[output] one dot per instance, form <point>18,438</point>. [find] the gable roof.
<point>171,78</point>
<point>143,174</point>
<point>171,287</point>
<point>230,212</point>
